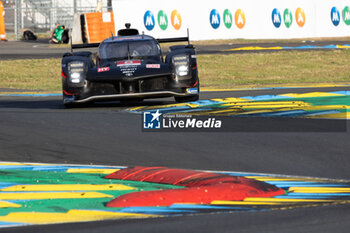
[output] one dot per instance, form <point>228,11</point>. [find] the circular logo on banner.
<point>240,19</point>
<point>148,20</point>
<point>162,20</point>
<point>346,15</point>
<point>335,16</point>
<point>214,19</point>
<point>300,17</point>
<point>287,18</point>
<point>276,18</point>
<point>227,18</point>
<point>176,20</point>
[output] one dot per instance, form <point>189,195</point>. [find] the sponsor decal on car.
<point>129,67</point>
<point>153,66</point>
<point>68,99</point>
<point>129,63</point>
<point>103,69</point>
<point>193,90</point>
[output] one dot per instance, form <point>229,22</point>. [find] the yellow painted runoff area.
<point>269,178</point>
<point>341,115</point>
<point>70,216</point>
<point>218,202</point>
<point>5,204</point>
<point>243,110</point>
<point>269,201</point>
<point>67,187</point>
<point>229,100</point>
<point>343,46</point>
<point>325,107</point>
<point>311,94</point>
<point>21,164</point>
<point>238,111</point>
<point>91,170</point>
<point>228,112</point>
<point>255,48</point>
<point>267,104</point>
<point>50,195</point>
<point>282,200</point>
<point>319,190</point>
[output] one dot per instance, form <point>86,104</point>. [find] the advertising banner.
<point>229,19</point>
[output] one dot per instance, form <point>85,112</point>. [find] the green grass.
<point>31,74</point>
<point>215,70</point>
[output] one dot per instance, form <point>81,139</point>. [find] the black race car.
<point>130,66</point>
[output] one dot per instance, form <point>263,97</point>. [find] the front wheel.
<point>187,99</point>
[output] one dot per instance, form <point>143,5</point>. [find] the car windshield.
<point>120,50</point>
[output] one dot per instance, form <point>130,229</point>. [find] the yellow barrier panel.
<point>2,22</point>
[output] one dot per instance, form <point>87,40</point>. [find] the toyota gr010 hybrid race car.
<point>130,67</point>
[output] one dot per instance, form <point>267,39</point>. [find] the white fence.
<point>41,15</point>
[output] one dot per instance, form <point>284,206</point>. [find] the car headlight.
<point>76,70</point>
<point>75,77</point>
<point>182,64</point>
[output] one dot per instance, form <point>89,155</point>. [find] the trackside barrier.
<point>2,23</point>
<point>229,19</point>
<point>92,27</point>
<point>99,26</point>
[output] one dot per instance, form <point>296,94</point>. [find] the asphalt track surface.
<point>40,130</point>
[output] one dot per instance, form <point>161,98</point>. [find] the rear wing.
<point>83,46</point>
<point>172,40</point>
<point>165,40</point>
<point>178,39</point>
